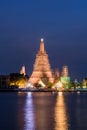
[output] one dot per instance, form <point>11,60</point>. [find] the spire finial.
<point>42,45</point>
<point>42,40</point>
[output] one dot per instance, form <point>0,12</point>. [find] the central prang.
<point>41,66</point>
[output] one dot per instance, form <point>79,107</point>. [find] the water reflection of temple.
<point>29,113</point>
<point>25,113</point>
<point>61,117</point>
<point>44,110</point>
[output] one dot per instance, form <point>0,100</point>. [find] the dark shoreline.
<point>40,90</point>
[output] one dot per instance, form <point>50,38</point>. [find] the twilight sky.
<point>62,24</point>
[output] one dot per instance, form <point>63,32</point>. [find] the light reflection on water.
<point>43,111</point>
<point>51,111</point>
<point>39,118</point>
<point>29,113</point>
<point>61,118</point>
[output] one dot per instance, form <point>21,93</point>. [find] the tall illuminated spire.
<point>41,69</point>
<point>42,45</point>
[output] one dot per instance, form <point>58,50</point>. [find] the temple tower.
<point>22,71</point>
<point>65,71</point>
<point>41,69</point>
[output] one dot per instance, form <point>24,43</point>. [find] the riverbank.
<point>40,90</point>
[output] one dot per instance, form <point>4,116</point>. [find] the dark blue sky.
<point>62,24</point>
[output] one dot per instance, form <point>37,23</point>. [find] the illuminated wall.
<point>65,81</point>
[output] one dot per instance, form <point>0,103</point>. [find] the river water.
<point>43,111</point>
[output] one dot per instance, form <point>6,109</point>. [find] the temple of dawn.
<point>42,76</point>
<point>42,68</point>
<point>42,72</point>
